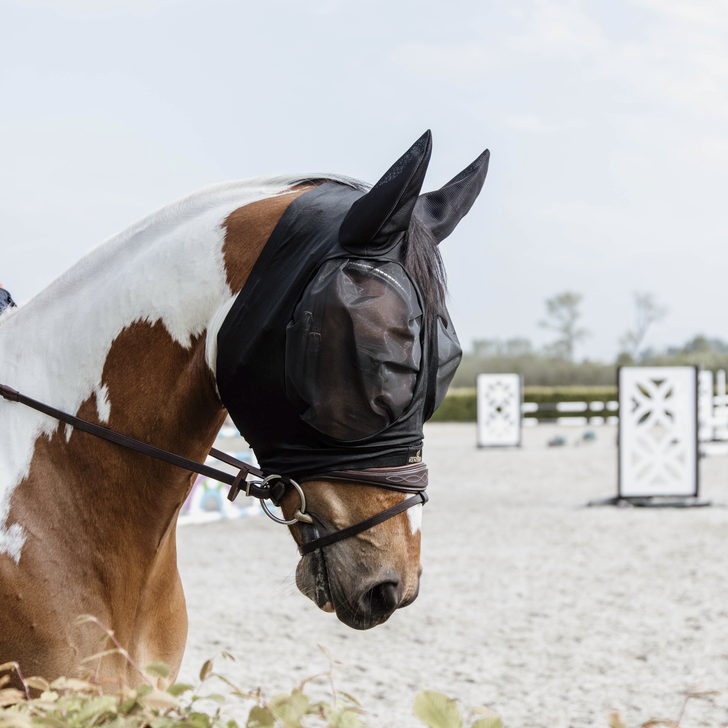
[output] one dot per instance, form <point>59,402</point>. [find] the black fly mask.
<point>332,357</point>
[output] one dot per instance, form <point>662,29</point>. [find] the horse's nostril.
<point>383,598</point>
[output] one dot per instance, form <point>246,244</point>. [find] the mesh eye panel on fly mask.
<point>353,349</point>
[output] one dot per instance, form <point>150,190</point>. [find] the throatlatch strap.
<point>317,543</point>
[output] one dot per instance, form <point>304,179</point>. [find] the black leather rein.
<point>409,479</point>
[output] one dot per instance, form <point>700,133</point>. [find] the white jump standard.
<point>500,397</point>
<point>658,437</point>
<point>658,443</point>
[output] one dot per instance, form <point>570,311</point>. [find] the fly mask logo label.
<point>416,458</point>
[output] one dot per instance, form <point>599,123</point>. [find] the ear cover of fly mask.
<point>378,220</point>
<point>440,211</point>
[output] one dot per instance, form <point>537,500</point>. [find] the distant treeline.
<point>540,369</point>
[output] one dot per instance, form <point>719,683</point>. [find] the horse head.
<point>348,349</point>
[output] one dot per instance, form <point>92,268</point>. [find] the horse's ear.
<point>443,209</point>
<point>387,208</point>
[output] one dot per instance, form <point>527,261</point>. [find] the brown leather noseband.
<point>407,479</point>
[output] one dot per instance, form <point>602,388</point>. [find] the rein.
<point>409,479</point>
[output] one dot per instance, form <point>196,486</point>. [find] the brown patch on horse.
<point>247,230</point>
<point>104,543</point>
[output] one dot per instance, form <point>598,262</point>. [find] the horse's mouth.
<point>363,611</point>
<point>312,579</point>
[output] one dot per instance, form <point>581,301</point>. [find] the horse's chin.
<point>356,621</point>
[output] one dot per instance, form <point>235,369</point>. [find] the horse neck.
<point>121,340</point>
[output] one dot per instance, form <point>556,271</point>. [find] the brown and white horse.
<point>127,339</point>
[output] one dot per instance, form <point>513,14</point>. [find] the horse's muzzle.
<point>374,604</point>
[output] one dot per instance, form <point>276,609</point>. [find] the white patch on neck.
<point>103,406</point>
<point>13,539</point>
<point>415,517</point>
<point>168,267</point>
<point>211,340</point>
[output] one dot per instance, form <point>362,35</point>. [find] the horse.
<point>129,339</point>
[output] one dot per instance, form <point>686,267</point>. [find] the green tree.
<point>648,313</point>
<point>563,313</point>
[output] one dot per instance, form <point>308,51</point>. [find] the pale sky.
<point>607,124</point>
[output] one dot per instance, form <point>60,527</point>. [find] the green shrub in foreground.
<point>93,702</point>
<point>76,703</point>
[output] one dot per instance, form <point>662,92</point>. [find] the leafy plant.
<point>615,719</point>
<point>437,710</point>
<point>95,702</point>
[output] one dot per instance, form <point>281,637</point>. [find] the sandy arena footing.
<point>548,612</point>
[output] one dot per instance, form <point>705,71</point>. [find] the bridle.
<point>406,479</point>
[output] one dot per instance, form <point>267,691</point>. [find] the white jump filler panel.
<point>499,410</point>
<point>658,431</point>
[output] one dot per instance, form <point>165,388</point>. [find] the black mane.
<point>423,261</point>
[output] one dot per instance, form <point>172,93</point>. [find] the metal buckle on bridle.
<point>299,515</point>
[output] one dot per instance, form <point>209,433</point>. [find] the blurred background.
<point>601,229</point>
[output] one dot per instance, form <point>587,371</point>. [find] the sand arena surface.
<point>548,612</point>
